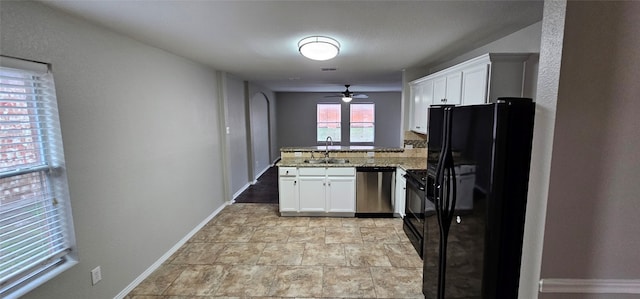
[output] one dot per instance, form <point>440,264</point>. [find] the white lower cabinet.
<point>401,192</point>
<point>288,189</point>
<point>318,191</point>
<point>341,194</point>
<point>312,194</point>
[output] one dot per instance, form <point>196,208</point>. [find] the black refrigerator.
<point>475,252</point>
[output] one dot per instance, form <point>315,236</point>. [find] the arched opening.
<point>260,134</point>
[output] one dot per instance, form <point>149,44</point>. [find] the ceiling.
<point>257,40</point>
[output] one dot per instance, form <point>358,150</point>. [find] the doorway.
<point>260,137</point>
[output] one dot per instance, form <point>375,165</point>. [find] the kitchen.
<point>91,130</point>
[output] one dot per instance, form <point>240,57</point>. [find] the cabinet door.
<point>447,89</point>
<point>401,192</point>
<point>341,195</point>
<point>439,90</point>
<point>288,189</point>
<point>454,89</point>
<point>474,85</point>
<point>312,193</point>
<point>427,100</point>
<point>416,103</point>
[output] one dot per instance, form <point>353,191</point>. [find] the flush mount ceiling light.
<point>347,99</point>
<point>319,47</point>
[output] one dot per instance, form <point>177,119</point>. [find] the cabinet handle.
<point>295,182</point>
<point>417,127</point>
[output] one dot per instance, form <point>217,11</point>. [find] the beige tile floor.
<point>248,251</point>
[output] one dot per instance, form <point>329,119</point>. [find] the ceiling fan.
<point>347,95</point>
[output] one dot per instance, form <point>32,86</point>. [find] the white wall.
<point>592,221</point>
<point>549,74</point>
<point>297,117</point>
<point>142,143</point>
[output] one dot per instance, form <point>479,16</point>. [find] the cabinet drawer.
<point>312,171</point>
<point>341,171</point>
<point>287,171</point>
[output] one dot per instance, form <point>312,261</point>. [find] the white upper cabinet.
<point>474,84</point>
<point>421,96</point>
<point>447,89</point>
<point>476,81</point>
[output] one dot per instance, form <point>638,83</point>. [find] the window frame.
<point>323,140</point>
<point>373,124</point>
<point>51,196</point>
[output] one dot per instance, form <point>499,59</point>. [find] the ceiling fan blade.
<point>360,96</point>
<point>334,96</point>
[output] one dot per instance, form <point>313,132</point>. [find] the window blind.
<point>35,225</point>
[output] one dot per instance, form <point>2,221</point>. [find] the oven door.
<point>414,210</point>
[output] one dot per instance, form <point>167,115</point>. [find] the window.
<point>36,230</point>
<point>362,123</point>
<point>329,121</point>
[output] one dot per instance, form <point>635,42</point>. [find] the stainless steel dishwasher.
<point>374,191</point>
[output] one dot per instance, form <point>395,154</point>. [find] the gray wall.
<point>240,147</point>
<point>592,221</point>
<point>238,137</point>
<point>297,117</point>
<point>142,143</point>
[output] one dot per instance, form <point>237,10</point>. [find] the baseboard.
<point>590,286</point>
<point>235,195</point>
<point>255,180</point>
<point>168,254</point>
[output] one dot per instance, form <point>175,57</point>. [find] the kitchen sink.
<point>327,161</point>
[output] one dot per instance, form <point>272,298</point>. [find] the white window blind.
<point>36,231</point>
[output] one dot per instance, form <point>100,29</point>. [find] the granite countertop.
<point>405,163</point>
<point>340,148</point>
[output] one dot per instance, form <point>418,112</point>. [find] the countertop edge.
<point>338,148</point>
<point>404,163</point>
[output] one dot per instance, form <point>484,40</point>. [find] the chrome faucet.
<point>326,148</point>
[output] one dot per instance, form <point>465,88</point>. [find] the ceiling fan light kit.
<point>347,95</point>
<point>319,47</point>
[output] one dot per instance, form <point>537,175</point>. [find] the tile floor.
<point>248,251</point>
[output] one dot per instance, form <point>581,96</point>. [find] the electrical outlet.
<point>370,154</point>
<point>297,154</point>
<point>96,275</point>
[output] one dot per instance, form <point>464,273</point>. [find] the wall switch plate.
<point>297,154</point>
<point>371,154</point>
<point>408,146</point>
<point>96,275</point>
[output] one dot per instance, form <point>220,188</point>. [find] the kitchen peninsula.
<point>321,181</point>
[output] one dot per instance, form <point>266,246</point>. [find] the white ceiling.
<point>257,40</point>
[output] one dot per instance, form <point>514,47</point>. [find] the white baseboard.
<point>255,180</point>
<point>168,254</point>
<point>587,286</point>
<point>235,195</point>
